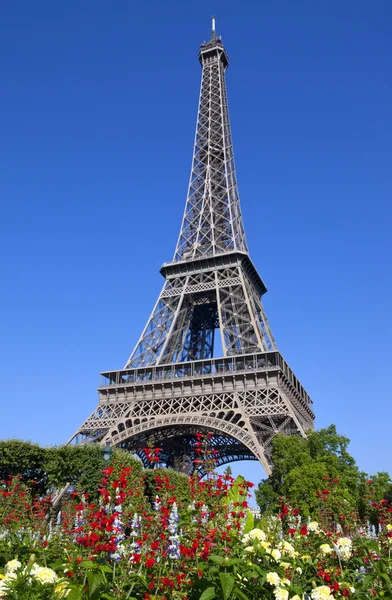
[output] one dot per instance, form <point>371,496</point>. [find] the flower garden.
<point>130,540</point>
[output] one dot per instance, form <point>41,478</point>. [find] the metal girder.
<point>172,387</point>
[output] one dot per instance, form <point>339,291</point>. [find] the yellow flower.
<point>249,549</point>
<point>12,566</point>
<point>45,575</point>
<point>255,534</point>
<point>61,590</point>
<point>344,542</point>
<point>306,557</point>
<point>285,565</point>
<point>321,593</point>
<point>389,527</point>
<point>281,594</point>
<point>273,579</point>
<point>314,526</point>
<point>287,548</point>
<point>276,554</point>
<point>325,549</point>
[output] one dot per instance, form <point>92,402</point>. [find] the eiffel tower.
<point>172,386</point>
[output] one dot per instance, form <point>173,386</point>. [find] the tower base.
<point>242,402</point>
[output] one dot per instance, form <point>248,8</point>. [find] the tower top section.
<point>214,48</point>
<point>212,222</point>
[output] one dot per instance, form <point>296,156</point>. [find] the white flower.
<point>281,594</point>
<point>249,549</point>
<point>265,545</point>
<point>255,534</point>
<point>298,570</point>
<point>12,566</point>
<point>3,588</point>
<point>45,575</point>
<point>287,548</point>
<point>322,592</point>
<point>343,548</point>
<point>285,565</point>
<point>314,527</point>
<point>344,542</point>
<point>325,549</point>
<point>273,579</point>
<point>4,581</point>
<point>276,554</point>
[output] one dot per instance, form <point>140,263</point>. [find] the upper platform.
<point>199,264</point>
<point>213,48</point>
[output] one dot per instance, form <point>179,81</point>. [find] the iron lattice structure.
<point>172,387</point>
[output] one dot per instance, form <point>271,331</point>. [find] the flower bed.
<point>127,545</point>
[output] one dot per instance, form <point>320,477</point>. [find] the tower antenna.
<point>213,29</point>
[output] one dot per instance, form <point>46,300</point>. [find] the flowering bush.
<point>195,542</point>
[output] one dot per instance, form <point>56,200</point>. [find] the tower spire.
<point>213,35</point>
<point>212,222</point>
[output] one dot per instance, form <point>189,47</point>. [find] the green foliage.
<point>45,469</point>
<point>81,466</point>
<point>303,468</point>
<point>373,489</point>
<point>163,483</point>
<point>24,459</point>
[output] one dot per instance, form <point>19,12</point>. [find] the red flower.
<point>292,531</point>
<point>136,558</point>
<point>304,530</point>
<point>150,562</point>
<point>345,592</point>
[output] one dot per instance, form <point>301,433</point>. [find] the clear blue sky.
<point>97,114</point>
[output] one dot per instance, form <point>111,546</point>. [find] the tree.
<point>26,460</point>
<point>307,471</point>
<point>47,469</point>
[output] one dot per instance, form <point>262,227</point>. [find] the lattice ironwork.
<point>172,387</point>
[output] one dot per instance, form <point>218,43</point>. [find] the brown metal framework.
<point>172,387</point>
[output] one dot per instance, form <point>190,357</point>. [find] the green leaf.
<point>249,522</point>
<point>106,569</point>
<point>88,564</point>
<point>216,559</point>
<point>94,581</point>
<point>385,577</point>
<point>239,594</point>
<point>227,583</point>
<point>232,561</point>
<point>208,594</point>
